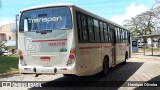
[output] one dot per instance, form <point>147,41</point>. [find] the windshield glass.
<point>46,19</point>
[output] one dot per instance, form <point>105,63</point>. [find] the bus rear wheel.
<point>105,66</point>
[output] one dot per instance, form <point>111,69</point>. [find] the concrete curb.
<point>9,73</point>
<point>140,57</point>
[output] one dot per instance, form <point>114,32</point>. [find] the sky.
<point>114,10</point>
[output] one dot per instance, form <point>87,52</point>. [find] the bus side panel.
<point>82,54</point>
<point>120,52</point>
<point>107,51</point>
<point>82,59</point>
<point>128,49</point>
<point>95,57</point>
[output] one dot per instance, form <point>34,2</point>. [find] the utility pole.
<point>17,16</point>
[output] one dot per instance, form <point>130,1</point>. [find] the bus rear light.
<point>71,60</point>
<point>71,57</point>
<point>21,57</point>
<point>20,52</point>
<point>72,51</point>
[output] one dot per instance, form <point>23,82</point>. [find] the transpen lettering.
<point>48,19</point>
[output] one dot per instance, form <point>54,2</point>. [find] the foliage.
<point>145,23</point>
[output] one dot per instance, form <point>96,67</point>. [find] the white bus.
<point>66,39</point>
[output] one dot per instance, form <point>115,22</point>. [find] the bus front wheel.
<point>105,66</point>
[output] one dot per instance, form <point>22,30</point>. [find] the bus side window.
<point>113,34</point>
<point>96,30</point>
<point>126,35</point>
<point>84,27</point>
<point>116,33</point>
<point>120,34</point>
<point>80,33</point>
<point>90,29</point>
<point>101,31</point>
<point>106,33</point>
<point>109,33</point>
<point>123,35</point>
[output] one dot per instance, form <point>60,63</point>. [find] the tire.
<point>105,67</point>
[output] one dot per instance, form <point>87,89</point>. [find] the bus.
<point>65,39</point>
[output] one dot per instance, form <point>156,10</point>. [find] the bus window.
<point>109,34</point>
<point>101,31</point>
<point>84,27</point>
<point>47,19</point>
<point>128,34</point>
<point>116,33</point>
<point>79,27</point>
<point>120,35</point>
<point>90,29</point>
<point>123,35</point>
<point>106,34</point>
<point>96,30</point>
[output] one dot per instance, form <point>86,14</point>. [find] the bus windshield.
<point>55,18</point>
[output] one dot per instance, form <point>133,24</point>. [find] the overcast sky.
<point>114,10</point>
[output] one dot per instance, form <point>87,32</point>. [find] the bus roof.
<point>46,5</point>
<point>70,4</point>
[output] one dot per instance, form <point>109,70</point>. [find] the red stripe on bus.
<point>89,47</point>
<point>94,47</point>
<point>121,46</point>
<point>48,40</point>
<point>106,46</point>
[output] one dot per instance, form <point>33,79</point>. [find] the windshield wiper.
<point>44,31</point>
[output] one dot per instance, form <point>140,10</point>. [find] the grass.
<point>8,64</point>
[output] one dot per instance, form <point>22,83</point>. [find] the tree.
<point>145,23</point>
